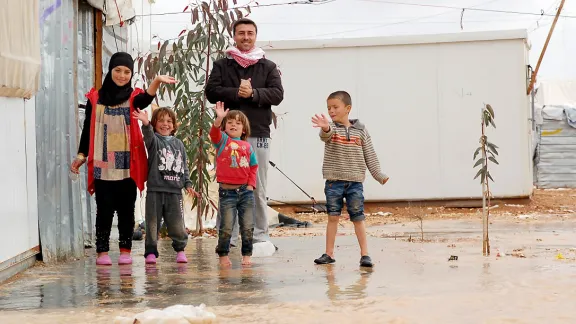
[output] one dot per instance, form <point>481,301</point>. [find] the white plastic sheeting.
<point>114,10</point>
<point>19,48</point>
<point>177,314</point>
<point>555,157</point>
<point>557,93</point>
<point>556,151</point>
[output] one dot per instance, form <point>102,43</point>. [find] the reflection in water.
<point>423,281</point>
<point>103,283</point>
<point>487,278</point>
<point>126,281</point>
<point>355,291</point>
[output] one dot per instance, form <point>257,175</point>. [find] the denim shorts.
<point>336,191</point>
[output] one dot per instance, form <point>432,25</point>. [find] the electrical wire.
<point>301,2</point>
<point>395,23</point>
<point>555,3</point>
<point>467,8</point>
<point>366,22</point>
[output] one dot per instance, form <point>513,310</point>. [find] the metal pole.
<point>533,79</point>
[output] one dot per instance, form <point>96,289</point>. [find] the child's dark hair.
<point>343,96</point>
<point>240,116</point>
<point>243,21</point>
<point>161,112</point>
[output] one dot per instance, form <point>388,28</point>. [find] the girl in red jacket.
<point>236,169</point>
<point>112,146</point>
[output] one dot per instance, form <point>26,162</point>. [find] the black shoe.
<point>365,261</point>
<point>324,259</point>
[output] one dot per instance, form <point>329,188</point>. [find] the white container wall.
<point>420,98</point>
<point>18,189</point>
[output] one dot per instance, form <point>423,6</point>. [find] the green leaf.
<point>490,110</point>
<point>479,171</point>
<point>489,176</point>
<point>480,161</point>
<point>163,51</point>
<point>492,148</point>
<point>476,153</point>
<point>493,160</point>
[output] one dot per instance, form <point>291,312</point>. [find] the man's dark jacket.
<point>224,82</point>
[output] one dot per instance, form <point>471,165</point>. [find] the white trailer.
<point>420,98</point>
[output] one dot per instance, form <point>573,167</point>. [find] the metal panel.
<point>59,208</point>
<point>85,83</point>
<point>557,155</point>
<point>18,195</point>
<point>424,121</point>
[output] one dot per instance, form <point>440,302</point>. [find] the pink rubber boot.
<point>104,260</point>
<point>124,259</point>
<point>181,257</point>
<point>151,259</point>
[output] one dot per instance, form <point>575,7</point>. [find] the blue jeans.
<point>336,191</point>
<point>235,202</point>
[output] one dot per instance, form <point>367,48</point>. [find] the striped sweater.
<point>347,153</point>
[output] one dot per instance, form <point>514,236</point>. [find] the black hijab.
<point>111,94</point>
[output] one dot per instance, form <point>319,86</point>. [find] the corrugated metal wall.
<point>59,207</point>
<point>85,83</point>
<point>556,157</point>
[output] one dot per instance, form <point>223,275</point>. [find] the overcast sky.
<point>365,18</point>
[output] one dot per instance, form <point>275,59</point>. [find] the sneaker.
<point>181,257</point>
<point>151,259</point>
<point>104,260</point>
<point>125,259</point>
<point>324,259</point>
<point>365,261</point>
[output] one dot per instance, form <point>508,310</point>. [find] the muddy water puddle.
<point>411,282</point>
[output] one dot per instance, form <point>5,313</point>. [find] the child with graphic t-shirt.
<point>167,175</point>
<point>236,169</point>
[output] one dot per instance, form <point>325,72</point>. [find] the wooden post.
<point>98,29</point>
<point>533,79</point>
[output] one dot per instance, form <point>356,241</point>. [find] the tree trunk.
<point>485,193</point>
<point>200,165</point>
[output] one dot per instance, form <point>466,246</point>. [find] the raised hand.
<point>220,111</point>
<point>166,79</point>
<point>321,121</point>
<point>142,116</point>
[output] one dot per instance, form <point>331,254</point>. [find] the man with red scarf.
<point>245,80</point>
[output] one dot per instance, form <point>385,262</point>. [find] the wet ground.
<point>412,282</point>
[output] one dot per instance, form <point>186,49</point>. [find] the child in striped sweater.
<point>347,153</point>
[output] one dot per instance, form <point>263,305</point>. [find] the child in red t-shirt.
<point>236,170</point>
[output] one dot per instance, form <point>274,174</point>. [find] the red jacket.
<point>138,158</point>
<point>236,162</point>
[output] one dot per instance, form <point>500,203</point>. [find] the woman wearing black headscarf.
<point>111,143</point>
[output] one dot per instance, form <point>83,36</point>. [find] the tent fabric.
<point>111,8</point>
<point>19,48</point>
<point>560,92</point>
